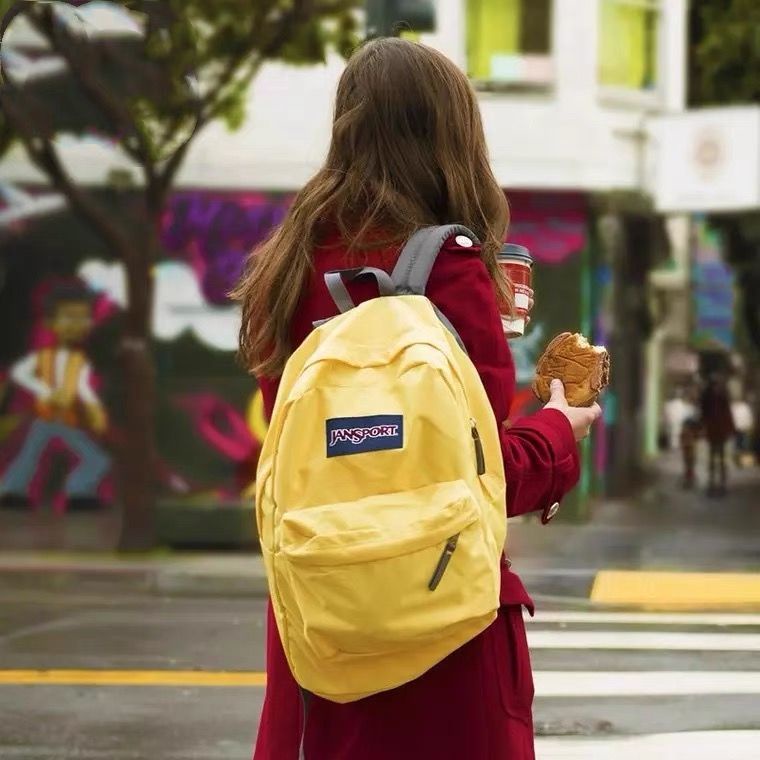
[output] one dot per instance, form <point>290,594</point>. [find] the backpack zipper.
<point>480,459</point>
<point>443,562</point>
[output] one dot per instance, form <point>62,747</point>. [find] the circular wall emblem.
<point>709,152</point>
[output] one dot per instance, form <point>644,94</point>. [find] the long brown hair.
<point>407,150</point>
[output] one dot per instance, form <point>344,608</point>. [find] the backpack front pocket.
<point>387,572</point>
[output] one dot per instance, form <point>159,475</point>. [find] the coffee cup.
<point>517,265</point>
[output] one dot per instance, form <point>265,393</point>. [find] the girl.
<point>408,151</point>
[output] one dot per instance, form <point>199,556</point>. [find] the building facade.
<point>565,88</point>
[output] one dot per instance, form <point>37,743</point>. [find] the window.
<point>628,44</point>
<point>509,42</point>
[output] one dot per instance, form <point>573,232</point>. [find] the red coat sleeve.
<point>541,458</point>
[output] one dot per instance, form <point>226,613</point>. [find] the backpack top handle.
<point>336,284</point>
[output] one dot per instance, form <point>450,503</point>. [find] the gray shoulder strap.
<point>412,270</point>
<point>336,285</point>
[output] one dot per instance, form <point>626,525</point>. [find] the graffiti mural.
<point>60,384</point>
<point>553,226</point>
<point>179,304</point>
<point>526,352</point>
<point>60,411</point>
<point>55,433</point>
<point>713,290</point>
<point>214,232</point>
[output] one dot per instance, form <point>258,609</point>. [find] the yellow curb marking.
<point>673,590</point>
<point>131,678</point>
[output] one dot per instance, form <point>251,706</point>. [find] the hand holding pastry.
<point>580,418</point>
<point>583,369</point>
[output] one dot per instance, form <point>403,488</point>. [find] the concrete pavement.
<point>149,676</point>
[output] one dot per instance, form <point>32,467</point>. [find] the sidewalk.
<point>192,574</point>
<point>666,530</point>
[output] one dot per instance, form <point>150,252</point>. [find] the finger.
<point>557,392</point>
<point>589,418</point>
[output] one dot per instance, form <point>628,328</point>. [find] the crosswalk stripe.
<point>649,640</point>
<point>644,618</point>
<point>697,745</point>
<point>581,683</point>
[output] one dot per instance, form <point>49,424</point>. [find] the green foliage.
<point>225,42</point>
<point>725,52</point>
<point>219,45</point>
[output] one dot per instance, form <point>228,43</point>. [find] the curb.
<point>195,581</point>
<point>677,590</point>
<point>197,584</point>
<point>180,580</point>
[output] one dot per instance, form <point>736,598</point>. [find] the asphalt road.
<point>601,675</point>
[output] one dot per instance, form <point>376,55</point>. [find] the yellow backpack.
<point>380,495</point>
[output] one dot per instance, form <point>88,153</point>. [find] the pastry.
<point>584,369</point>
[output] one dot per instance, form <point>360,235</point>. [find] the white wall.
<point>572,137</point>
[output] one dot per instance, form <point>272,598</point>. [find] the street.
<point>558,191</point>
<point>608,684</point>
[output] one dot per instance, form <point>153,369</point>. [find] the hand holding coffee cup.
<point>517,265</point>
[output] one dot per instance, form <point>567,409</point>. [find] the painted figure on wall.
<point>66,408</point>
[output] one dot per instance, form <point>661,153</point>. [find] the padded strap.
<point>444,320</point>
<point>412,270</point>
<point>336,284</point>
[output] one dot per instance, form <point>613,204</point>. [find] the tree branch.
<point>169,171</point>
<point>299,13</point>
<point>7,135</point>
<point>44,156</point>
<point>114,108</point>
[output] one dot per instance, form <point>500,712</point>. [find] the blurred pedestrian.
<point>718,425</point>
<point>690,431</point>
<point>744,422</point>
<point>677,410</point>
<point>408,151</point>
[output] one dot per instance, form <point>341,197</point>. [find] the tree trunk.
<point>137,454</point>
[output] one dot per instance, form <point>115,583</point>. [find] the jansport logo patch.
<point>355,435</point>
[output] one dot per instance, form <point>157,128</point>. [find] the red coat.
<point>476,704</point>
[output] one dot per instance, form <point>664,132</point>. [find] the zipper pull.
<point>480,459</point>
<point>443,562</point>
